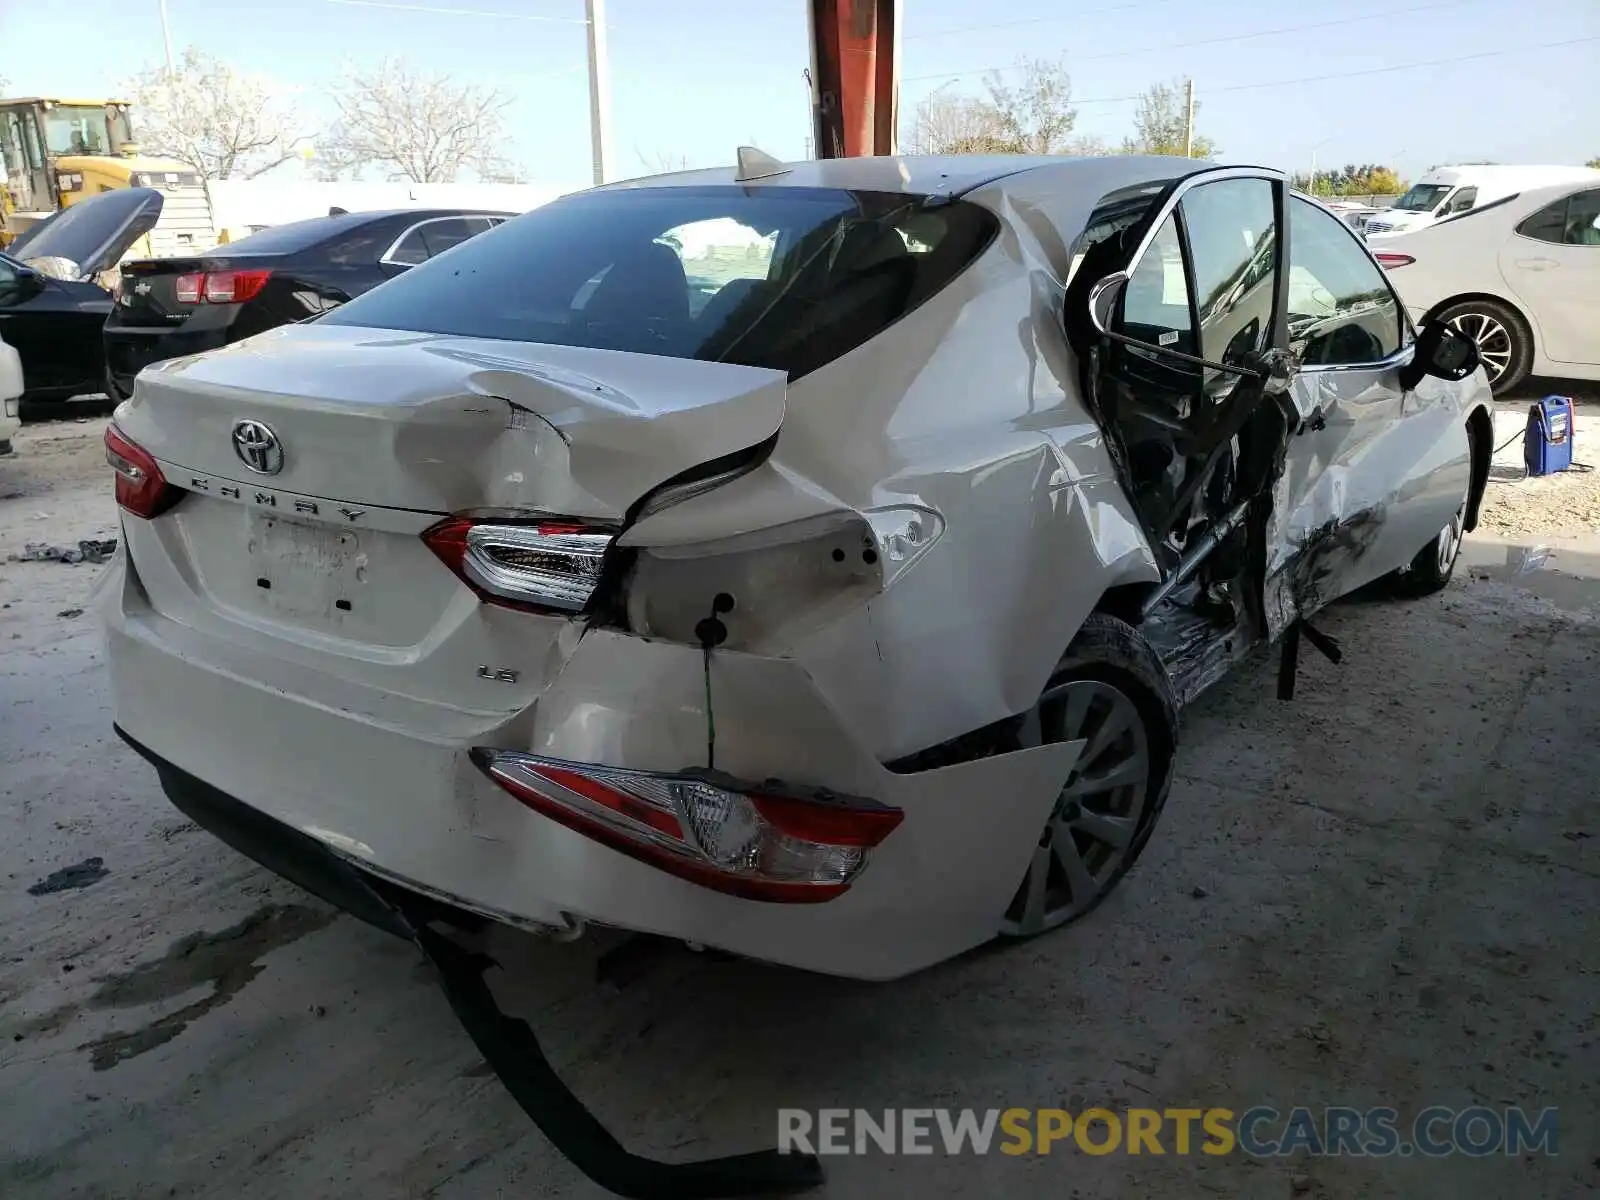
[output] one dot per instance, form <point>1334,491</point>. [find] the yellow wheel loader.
<point>57,153</point>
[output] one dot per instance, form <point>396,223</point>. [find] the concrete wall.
<point>240,203</point>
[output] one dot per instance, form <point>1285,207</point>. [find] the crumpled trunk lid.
<point>444,424</point>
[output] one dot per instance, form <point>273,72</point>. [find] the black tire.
<point>1502,335</point>
<point>5,446</point>
<point>1435,563</point>
<point>1108,658</point>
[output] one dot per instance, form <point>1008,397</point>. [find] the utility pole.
<point>1188,120</point>
<point>166,36</point>
<point>599,91</point>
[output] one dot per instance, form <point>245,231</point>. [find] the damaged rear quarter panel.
<point>968,410</point>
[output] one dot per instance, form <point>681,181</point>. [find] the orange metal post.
<point>854,69</point>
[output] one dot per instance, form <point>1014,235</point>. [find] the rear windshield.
<point>295,236</point>
<point>789,278</point>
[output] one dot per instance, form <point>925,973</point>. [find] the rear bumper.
<point>386,783</point>
<point>281,849</point>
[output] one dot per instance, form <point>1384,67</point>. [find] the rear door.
<point>1552,262</point>
<point>1375,472</point>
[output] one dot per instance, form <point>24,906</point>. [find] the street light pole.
<point>1188,119</point>
<point>166,36</point>
<point>599,92</point>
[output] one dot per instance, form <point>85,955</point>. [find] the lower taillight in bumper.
<point>761,842</point>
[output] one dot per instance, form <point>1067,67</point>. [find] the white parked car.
<point>841,621</point>
<point>1520,277</point>
<point>10,395</point>
<point>1449,191</point>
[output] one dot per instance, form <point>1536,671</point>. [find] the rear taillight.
<point>540,565</point>
<point>704,827</point>
<point>221,287</point>
<point>141,488</point>
<point>1390,261</point>
<point>234,287</point>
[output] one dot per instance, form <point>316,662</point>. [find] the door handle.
<point>1538,264</point>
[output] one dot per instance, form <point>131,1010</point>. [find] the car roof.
<point>934,174</point>
<point>292,237</point>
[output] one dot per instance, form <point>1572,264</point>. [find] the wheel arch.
<point>1494,298</point>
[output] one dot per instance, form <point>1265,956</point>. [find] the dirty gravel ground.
<point>1400,874</point>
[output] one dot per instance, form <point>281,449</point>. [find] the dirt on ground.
<point>1381,893</point>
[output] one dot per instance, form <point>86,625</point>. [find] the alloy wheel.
<point>1450,539</point>
<point>1096,818</point>
<point>1493,340</point>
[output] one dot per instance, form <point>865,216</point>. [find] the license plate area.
<point>306,569</point>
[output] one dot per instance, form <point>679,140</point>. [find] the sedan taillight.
<point>221,287</point>
<point>538,565</point>
<point>705,827</point>
<point>141,487</point>
<point>1390,261</point>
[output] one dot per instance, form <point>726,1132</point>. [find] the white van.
<point>1446,191</point>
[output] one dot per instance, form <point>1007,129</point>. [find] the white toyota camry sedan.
<point>805,561</point>
<point>1520,276</point>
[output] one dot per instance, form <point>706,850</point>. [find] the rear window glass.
<point>789,278</point>
<point>298,235</point>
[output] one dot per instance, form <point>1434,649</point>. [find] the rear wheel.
<point>1502,337</point>
<point>1110,691</point>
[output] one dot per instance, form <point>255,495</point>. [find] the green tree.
<point>1159,124</point>
<point>1035,114</point>
<point>1593,162</point>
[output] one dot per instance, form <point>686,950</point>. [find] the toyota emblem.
<point>258,447</point>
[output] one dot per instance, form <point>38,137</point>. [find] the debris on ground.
<point>90,550</point>
<point>78,875</point>
<point>69,613</point>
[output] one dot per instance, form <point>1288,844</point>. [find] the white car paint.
<point>1496,253</point>
<point>1446,191</point>
<point>10,393</point>
<point>955,454</point>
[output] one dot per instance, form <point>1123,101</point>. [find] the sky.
<point>1412,83</point>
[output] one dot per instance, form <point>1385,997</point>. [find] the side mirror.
<point>25,284</point>
<point>1104,297</point>
<point>1442,352</point>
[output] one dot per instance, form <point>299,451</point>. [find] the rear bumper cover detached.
<point>387,783</point>
<point>507,1043</point>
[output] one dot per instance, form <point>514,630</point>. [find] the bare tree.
<point>1158,124</point>
<point>1086,145</point>
<point>1035,114</point>
<point>955,124</point>
<point>659,162</point>
<point>222,122</point>
<point>414,125</point>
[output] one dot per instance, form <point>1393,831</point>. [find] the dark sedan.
<point>52,304</point>
<point>177,306</point>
